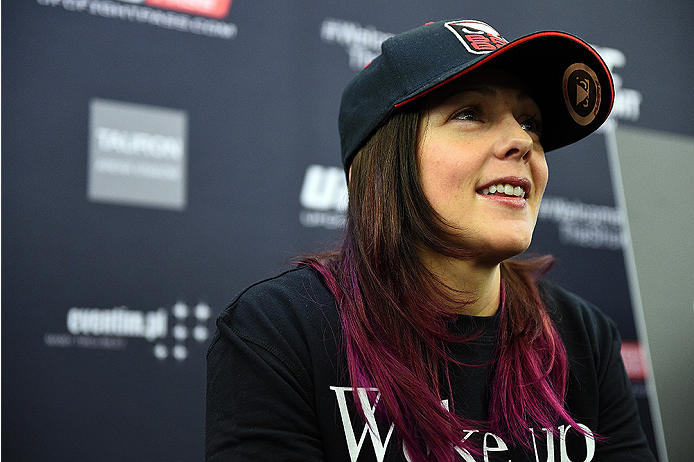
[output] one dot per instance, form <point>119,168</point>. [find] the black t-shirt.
<point>278,388</point>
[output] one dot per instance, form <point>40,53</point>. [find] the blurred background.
<point>160,155</point>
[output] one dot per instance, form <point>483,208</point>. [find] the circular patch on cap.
<point>581,93</point>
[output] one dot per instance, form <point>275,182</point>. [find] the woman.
<point>418,339</point>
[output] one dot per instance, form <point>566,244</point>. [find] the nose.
<point>513,141</point>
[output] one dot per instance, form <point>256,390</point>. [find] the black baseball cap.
<point>568,79</point>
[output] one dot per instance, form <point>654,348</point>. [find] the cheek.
<point>541,174</point>
<point>431,167</point>
<point>432,181</point>
<point>445,177</point>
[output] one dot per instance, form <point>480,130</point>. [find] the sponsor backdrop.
<point>160,155</point>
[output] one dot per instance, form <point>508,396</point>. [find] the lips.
<point>508,186</point>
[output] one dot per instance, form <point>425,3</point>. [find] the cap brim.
<point>541,61</point>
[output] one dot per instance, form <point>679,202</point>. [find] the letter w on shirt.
<point>371,428</point>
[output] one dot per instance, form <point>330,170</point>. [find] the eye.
<point>472,113</point>
<point>533,125</point>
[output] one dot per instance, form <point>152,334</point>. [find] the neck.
<point>479,284</point>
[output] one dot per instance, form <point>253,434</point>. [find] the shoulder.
<point>296,293</point>
<point>289,307</point>
<point>296,287</point>
<point>567,307</point>
<point>580,323</point>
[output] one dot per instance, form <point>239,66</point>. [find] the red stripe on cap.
<point>509,46</point>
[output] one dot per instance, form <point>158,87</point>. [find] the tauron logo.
<point>479,38</point>
<point>137,154</point>
<point>581,93</point>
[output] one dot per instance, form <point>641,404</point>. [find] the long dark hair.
<point>395,313</point>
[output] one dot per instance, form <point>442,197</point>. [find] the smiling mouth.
<point>503,189</point>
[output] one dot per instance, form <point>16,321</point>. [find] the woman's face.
<point>481,164</point>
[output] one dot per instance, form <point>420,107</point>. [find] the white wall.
<point>657,170</point>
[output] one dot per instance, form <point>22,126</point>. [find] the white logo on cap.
<point>479,38</point>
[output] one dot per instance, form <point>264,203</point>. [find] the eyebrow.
<point>487,90</point>
<point>483,89</point>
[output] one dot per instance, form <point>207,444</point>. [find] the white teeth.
<point>507,189</point>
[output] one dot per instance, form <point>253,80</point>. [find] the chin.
<point>494,246</point>
<point>503,251</point>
